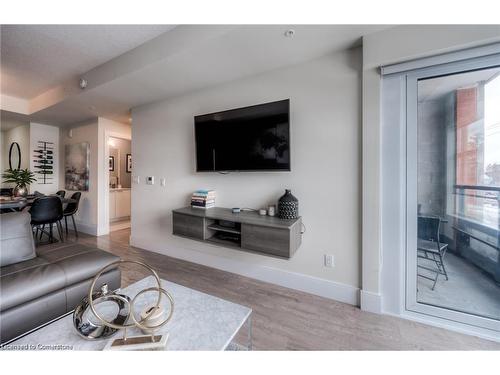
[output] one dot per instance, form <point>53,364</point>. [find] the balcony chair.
<point>430,247</point>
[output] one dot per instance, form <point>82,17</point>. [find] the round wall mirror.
<point>14,156</point>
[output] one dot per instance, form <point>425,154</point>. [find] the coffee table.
<point>200,322</point>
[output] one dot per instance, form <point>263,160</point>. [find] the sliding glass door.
<point>453,191</point>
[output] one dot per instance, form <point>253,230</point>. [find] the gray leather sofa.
<point>37,286</point>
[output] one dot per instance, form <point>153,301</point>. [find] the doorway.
<point>119,187</point>
<point>453,192</point>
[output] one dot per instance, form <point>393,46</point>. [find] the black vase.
<point>288,206</point>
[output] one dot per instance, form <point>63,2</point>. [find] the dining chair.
<point>71,210</point>
<point>47,211</point>
<point>6,192</point>
<point>430,247</point>
<point>61,193</point>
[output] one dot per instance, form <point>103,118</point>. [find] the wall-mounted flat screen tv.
<point>255,138</point>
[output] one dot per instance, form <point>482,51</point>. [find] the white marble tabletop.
<point>200,322</point>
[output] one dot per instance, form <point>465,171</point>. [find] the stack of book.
<point>203,198</point>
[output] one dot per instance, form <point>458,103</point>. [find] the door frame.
<point>411,82</point>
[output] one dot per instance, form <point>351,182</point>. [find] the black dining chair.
<point>61,193</point>
<point>47,211</point>
<point>6,192</point>
<point>71,209</point>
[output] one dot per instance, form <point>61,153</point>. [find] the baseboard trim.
<point>371,302</point>
<point>84,227</point>
<point>305,283</point>
<point>433,321</point>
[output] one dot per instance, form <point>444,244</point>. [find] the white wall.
<point>395,45</point>
<point>46,133</point>
<point>87,214</point>
<point>409,42</point>
<point>325,150</point>
<point>21,135</point>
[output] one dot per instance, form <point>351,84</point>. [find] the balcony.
<point>472,259</point>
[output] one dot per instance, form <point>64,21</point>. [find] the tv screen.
<point>255,138</point>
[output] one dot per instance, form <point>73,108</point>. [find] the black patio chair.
<point>430,247</point>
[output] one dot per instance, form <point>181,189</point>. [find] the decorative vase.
<point>288,206</point>
<point>20,191</point>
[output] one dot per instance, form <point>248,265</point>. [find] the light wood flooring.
<point>286,319</point>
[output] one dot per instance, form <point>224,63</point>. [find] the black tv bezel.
<point>289,169</point>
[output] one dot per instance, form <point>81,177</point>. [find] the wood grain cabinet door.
<point>267,240</point>
<point>188,226</point>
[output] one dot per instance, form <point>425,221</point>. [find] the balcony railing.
<point>479,203</point>
<point>476,224</point>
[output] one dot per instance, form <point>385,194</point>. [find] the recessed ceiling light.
<point>83,83</point>
<point>289,33</point>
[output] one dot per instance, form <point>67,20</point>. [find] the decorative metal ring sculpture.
<point>139,324</point>
<point>90,331</point>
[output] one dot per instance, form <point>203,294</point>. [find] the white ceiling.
<point>35,58</point>
<point>198,58</point>
<point>243,52</point>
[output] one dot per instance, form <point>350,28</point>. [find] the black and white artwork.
<point>111,163</point>
<point>43,162</point>
<point>129,163</point>
<point>77,160</point>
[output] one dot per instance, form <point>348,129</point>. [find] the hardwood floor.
<point>286,319</point>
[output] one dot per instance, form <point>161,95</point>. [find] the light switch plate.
<point>163,181</point>
<point>329,261</point>
<point>136,179</point>
<point>150,180</point>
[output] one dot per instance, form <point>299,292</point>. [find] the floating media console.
<point>246,230</point>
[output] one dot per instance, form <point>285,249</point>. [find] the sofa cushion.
<point>54,268</point>
<point>27,316</point>
<point>26,281</point>
<point>78,262</point>
<point>16,238</point>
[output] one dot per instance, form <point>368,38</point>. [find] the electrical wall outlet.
<point>150,180</point>
<point>329,261</point>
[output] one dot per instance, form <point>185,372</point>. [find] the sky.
<point>492,122</point>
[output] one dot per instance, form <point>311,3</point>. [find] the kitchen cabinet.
<point>119,204</point>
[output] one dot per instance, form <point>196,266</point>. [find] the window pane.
<point>459,192</point>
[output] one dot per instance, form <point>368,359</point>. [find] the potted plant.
<point>22,178</point>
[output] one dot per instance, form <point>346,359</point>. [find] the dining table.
<point>12,204</point>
